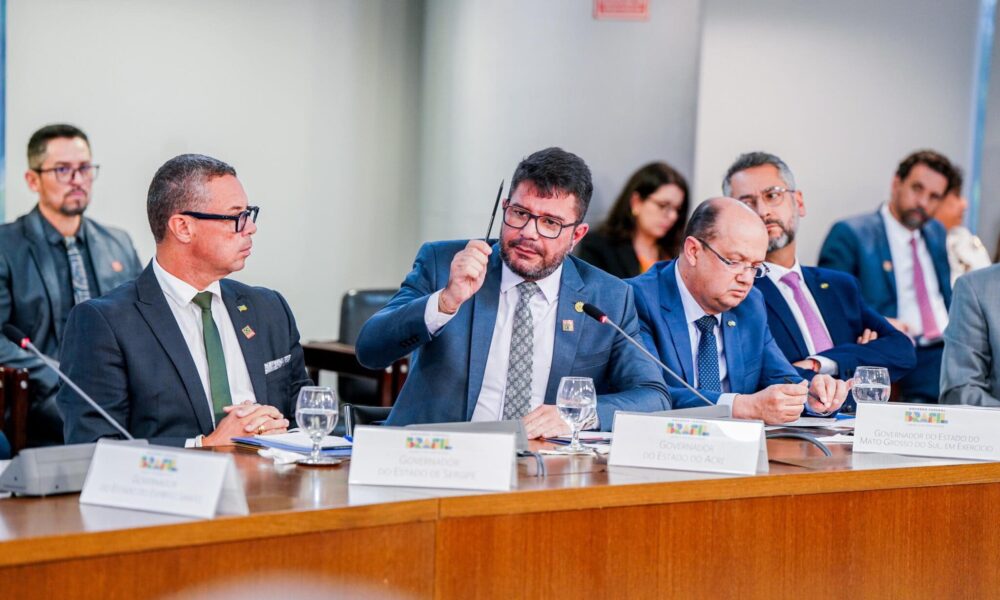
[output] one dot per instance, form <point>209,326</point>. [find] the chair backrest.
<point>355,415</point>
<point>356,307</point>
<point>14,402</point>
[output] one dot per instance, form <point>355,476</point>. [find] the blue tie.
<point>708,355</point>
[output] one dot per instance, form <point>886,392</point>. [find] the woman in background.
<point>645,224</point>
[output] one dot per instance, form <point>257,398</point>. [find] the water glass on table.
<point>577,404</point>
<point>871,384</point>
<point>316,413</point>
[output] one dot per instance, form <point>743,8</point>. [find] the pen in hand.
<point>813,396</point>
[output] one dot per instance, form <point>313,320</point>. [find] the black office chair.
<point>356,307</point>
<point>355,415</point>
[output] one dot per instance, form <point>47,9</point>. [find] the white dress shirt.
<point>776,272</point>
<point>907,309</point>
<point>188,316</point>
<point>489,405</point>
<point>692,312</point>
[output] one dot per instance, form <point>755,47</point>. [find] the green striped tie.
<point>218,378</point>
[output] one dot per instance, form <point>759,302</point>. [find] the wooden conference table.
<point>846,526</point>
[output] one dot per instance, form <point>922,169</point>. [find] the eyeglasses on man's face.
<point>734,266</point>
<point>240,219</point>
<point>772,196</point>
<point>66,173</point>
<point>547,227</point>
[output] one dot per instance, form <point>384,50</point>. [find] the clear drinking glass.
<point>316,413</point>
<point>871,384</point>
<point>577,403</point>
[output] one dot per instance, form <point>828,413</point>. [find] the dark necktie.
<point>218,377</point>
<point>78,273</point>
<point>708,355</point>
<point>517,396</point>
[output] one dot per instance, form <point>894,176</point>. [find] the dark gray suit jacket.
<point>127,352</point>
<point>970,365</point>
<point>31,295</point>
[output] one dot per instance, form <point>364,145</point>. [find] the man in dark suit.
<point>682,304</point>
<point>898,254</point>
<point>53,258</point>
<point>817,316</point>
<point>493,329</point>
<point>182,356</point>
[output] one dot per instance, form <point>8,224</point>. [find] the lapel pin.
<point>824,285</point>
<point>887,266</point>
<point>117,267</point>
<point>249,333</point>
<point>242,308</point>
<point>578,307</point>
<point>731,323</point>
<point>567,324</point>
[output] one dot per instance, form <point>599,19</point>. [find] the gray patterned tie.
<point>81,288</point>
<point>517,396</point>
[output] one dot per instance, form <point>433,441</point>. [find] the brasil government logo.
<point>158,463</point>
<point>696,429</point>
<point>419,442</point>
<point>929,417</point>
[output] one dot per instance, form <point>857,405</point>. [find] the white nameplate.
<point>162,479</point>
<point>940,431</point>
<point>663,442</point>
<point>433,459</point>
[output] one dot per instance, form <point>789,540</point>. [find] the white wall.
<point>314,102</point>
<point>841,90</point>
<point>503,79</point>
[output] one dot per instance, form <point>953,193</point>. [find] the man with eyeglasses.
<point>493,328</point>
<point>817,316</point>
<point>52,259</point>
<point>899,255</point>
<point>702,316</point>
<point>183,356</point>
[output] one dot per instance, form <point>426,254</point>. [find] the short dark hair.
<point>933,160</point>
<point>702,221</point>
<point>178,186</point>
<point>750,160</point>
<point>620,223</point>
<point>39,141</point>
<point>553,171</point>
<point>955,186</point>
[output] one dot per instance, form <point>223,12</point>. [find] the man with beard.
<point>54,258</point>
<point>899,256</point>
<point>493,328</point>
<point>701,315</point>
<point>817,316</point>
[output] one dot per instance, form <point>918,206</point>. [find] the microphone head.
<point>593,312</point>
<point>15,335</point>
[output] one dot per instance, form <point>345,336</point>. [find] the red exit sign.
<point>621,10</point>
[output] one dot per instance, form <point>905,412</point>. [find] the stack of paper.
<point>298,441</point>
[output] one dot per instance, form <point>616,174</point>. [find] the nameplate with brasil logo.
<point>939,431</point>
<point>708,445</point>
<point>433,459</point>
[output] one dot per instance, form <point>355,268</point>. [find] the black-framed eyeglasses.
<point>772,196</point>
<point>759,270</point>
<point>65,173</point>
<point>547,227</point>
<point>241,218</point>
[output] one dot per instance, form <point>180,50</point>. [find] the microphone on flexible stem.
<point>598,315</point>
<point>17,336</point>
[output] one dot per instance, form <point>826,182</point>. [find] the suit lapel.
<point>485,304</point>
<point>102,258</point>
<point>936,247</point>
<point>38,246</point>
<point>677,327</point>
<point>777,304</point>
<point>564,347</point>
<point>152,304</point>
<point>829,307</point>
<point>244,317</point>
<point>885,258</point>
<point>733,346</point>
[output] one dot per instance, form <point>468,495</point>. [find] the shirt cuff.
<point>194,442</point>
<point>827,366</point>
<point>725,400</point>
<point>433,318</point>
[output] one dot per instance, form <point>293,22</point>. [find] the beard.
<point>914,218</point>
<point>548,266</point>
<point>74,208</point>
<point>787,234</point>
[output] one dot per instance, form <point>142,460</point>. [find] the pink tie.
<point>820,338</point>
<point>931,331</point>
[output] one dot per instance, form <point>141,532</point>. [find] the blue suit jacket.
<point>127,352</point>
<point>446,370</point>
<point>846,316</point>
<point>860,246</point>
<point>753,360</point>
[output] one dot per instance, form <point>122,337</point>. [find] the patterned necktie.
<point>218,377</point>
<point>931,330</point>
<point>820,338</point>
<point>78,273</point>
<point>517,397</point>
<point>708,355</point>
